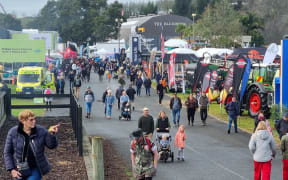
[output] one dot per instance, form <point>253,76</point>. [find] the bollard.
<point>97,158</point>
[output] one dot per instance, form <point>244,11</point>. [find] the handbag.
<point>23,167</point>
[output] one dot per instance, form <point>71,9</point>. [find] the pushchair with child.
<point>125,111</point>
<point>164,140</point>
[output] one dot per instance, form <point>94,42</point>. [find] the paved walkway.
<point>210,153</point>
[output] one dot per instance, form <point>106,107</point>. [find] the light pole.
<point>119,21</point>
<point>193,15</point>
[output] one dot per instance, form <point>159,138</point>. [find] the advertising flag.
<point>245,78</point>
<point>212,85</point>
<point>171,70</point>
<point>206,82</point>
<point>162,47</point>
<point>201,69</point>
<point>135,48</point>
<point>183,79</point>
<point>239,68</point>
<point>270,53</point>
<point>122,12</point>
<point>227,83</point>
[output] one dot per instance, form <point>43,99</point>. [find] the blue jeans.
<point>148,91</point>
<point>234,119</point>
<point>138,91</point>
<point>88,107</point>
<point>35,175</point>
<point>176,112</point>
<point>109,110</point>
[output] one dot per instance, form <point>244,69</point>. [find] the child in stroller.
<point>164,148</point>
<point>125,111</point>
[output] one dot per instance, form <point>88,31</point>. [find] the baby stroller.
<point>125,111</point>
<point>164,149</point>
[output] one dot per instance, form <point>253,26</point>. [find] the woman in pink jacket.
<point>180,142</point>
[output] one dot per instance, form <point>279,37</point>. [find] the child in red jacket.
<point>180,142</point>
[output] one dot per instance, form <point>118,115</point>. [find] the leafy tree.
<point>149,8</point>
<point>201,5</point>
<point>7,21</point>
<point>182,8</point>
<point>180,29</point>
<point>219,24</point>
<point>253,26</point>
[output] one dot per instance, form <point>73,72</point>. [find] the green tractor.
<point>259,93</point>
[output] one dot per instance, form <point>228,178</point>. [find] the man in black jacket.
<point>282,126</point>
<point>146,123</point>
<point>118,94</point>
<point>160,91</point>
<point>232,109</point>
<point>131,93</point>
<point>147,84</point>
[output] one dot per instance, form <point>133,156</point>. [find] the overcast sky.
<point>32,7</point>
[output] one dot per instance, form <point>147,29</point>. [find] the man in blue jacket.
<point>232,109</point>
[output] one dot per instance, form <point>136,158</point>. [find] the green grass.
<point>17,101</point>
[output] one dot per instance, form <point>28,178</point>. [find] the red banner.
<point>162,46</point>
<point>149,70</point>
<point>171,69</point>
<point>70,54</point>
<point>145,67</point>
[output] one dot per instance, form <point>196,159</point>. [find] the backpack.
<point>147,141</point>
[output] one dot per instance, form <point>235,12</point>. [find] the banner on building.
<point>135,48</point>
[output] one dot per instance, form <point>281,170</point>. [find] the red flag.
<point>162,46</point>
<point>171,69</point>
<point>122,12</point>
<point>149,70</point>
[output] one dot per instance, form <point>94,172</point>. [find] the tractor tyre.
<point>257,101</point>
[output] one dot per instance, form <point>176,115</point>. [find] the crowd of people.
<point>144,152</point>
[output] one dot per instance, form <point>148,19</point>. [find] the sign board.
<point>12,50</point>
<point>45,36</point>
<point>284,75</point>
<point>135,48</point>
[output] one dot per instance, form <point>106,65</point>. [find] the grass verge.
<point>17,101</point>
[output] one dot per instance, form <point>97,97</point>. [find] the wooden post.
<point>97,158</point>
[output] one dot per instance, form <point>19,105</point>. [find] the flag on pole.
<point>162,46</point>
<point>122,12</point>
<point>171,69</point>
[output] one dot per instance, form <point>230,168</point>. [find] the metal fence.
<point>75,110</point>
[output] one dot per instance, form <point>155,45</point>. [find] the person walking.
<point>192,105</point>
<point>160,91</point>
<point>176,106</point>
<point>77,85</point>
<point>282,125</point>
<point>284,150</point>
<point>109,102</point>
<point>203,103</point>
<point>124,99</point>
<point>104,99</point>
<point>48,100</point>
<point>263,148</point>
<point>180,142</point>
<point>162,123</point>
<point>144,156</point>
<point>147,84</point>
<point>118,94</point>
<point>131,93</point>
<point>89,99</point>
<point>71,80</point>
<point>139,83</point>
<point>232,108</point>
<point>146,123</point>
<point>261,117</point>
<point>24,148</point>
